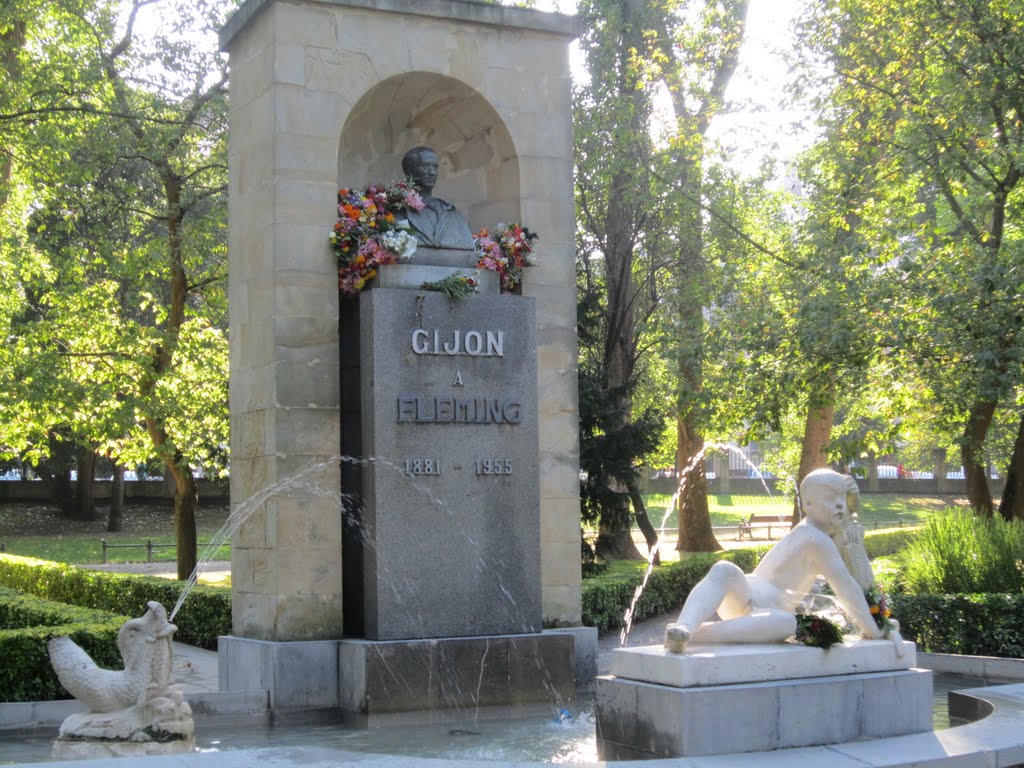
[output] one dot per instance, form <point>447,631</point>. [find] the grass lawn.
<point>38,530</point>
<point>881,510</point>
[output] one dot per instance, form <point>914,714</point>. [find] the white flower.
<point>400,243</point>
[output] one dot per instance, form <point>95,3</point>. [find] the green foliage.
<point>962,553</point>
<point>113,234</point>
<point>888,542</point>
<point>612,445</point>
<point>970,624</point>
<point>455,286</point>
<point>205,615</point>
<point>28,623</point>
<point>607,597</point>
<point>923,120</point>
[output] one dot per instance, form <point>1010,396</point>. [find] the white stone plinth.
<point>642,720</point>
<point>724,664</point>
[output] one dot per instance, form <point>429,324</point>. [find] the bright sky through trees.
<point>757,123</point>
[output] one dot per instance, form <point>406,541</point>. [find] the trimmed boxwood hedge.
<point>27,623</point>
<point>973,625</point>
<point>888,542</point>
<point>205,615</point>
<point>606,597</point>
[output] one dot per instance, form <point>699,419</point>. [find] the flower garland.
<point>370,232</point>
<point>878,604</point>
<point>507,251</point>
<point>817,631</point>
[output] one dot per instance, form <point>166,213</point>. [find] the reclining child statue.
<point>760,607</point>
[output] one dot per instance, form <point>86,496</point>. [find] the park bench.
<point>746,527</point>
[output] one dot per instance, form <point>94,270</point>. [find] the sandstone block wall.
<point>332,93</point>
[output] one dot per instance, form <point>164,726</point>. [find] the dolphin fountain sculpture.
<point>135,705</point>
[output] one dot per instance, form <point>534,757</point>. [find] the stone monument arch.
<point>479,162</point>
<point>326,93</point>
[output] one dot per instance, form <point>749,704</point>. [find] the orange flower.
<point>874,610</point>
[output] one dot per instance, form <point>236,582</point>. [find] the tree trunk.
<point>695,532</point>
<point>115,519</point>
<point>615,538</point>
<point>817,434</point>
<point>55,471</point>
<point>1011,506</point>
<point>61,490</point>
<point>186,499</point>
<point>12,40</point>
<point>978,493</point>
<point>85,488</point>
<point>648,530</point>
<point>615,532</point>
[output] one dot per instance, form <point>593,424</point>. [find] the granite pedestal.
<point>442,526</point>
<point>750,698</point>
<point>381,677</point>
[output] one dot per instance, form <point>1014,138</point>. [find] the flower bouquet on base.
<point>817,631</point>
<point>878,604</point>
<point>507,250</point>
<point>371,232</point>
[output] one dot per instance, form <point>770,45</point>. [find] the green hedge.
<point>889,541</point>
<point>973,625</point>
<point>607,597</point>
<point>26,625</point>
<point>205,615</point>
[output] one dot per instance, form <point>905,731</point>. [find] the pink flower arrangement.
<point>507,251</point>
<point>371,232</point>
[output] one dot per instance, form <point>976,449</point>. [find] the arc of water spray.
<point>683,477</point>
<point>630,612</point>
<point>241,513</point>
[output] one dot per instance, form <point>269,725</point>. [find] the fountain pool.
<point>528,734</point>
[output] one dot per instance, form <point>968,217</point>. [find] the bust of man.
<point>439,224</point>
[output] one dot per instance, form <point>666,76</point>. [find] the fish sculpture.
<point>135,704</point>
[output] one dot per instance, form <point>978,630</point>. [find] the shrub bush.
<point>27,624</point>
<point>958,552</point>
<point>607,597</point>
<point>888,541</point>
<point>977,625</point>
<point>205,615</point>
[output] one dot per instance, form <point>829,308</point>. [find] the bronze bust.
<point>439,224</point>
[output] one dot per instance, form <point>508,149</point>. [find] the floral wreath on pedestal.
<point>371,232</point>
<point>507,251</point>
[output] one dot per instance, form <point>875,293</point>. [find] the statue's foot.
<point>676,638</point>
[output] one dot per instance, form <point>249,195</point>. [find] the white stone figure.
<point>760,607</point>
<point>136,704</point>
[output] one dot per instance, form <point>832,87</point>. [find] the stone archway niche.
<point>479,166</point>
